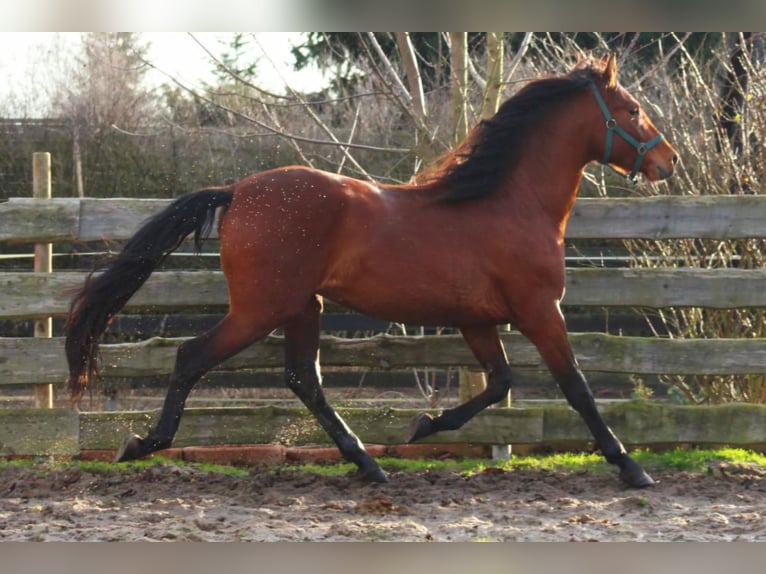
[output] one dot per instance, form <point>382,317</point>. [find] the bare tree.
<point>102,92</point>
<point>105,86</point>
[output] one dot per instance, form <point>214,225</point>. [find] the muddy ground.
<point>184,503</point>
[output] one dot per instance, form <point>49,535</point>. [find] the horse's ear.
<point>609,65</point>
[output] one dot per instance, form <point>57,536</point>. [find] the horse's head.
<point>630,141</point>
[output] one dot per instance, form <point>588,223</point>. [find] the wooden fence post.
<point>472,382</point>
<point>41,189</point>
<point>503,451</point>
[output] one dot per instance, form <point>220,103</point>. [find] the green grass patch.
<point>697,460</point>
<point>689,460</point>
<point>104,468</point>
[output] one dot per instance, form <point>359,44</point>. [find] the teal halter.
<point>612,127</point>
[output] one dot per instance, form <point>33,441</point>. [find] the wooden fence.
<point>38,295</point>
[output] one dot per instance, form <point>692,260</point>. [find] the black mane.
<point>494,147</point>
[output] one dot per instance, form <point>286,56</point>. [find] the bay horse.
<point>479,242</point>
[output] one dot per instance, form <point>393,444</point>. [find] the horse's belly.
<point>434,306</point>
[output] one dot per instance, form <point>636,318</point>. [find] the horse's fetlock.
<point>615,456</point>
<point>154,443</point>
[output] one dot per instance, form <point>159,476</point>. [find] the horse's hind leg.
<point>485,343</point>
<point>303,378</point>
<point>549,334</point>
<point>194,358</point>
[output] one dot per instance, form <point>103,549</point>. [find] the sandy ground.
<point>184,503</point>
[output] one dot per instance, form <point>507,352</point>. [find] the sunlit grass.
<point>696,460</point>
<point>688,460</point>
<point>103,468</point>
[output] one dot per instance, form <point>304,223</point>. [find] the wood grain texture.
<point>27,360</point>
<point>30,295</point>
<point>637,423</point>
<point>658,217</point>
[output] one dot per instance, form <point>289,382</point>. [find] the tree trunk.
<point>459,85</point>
<point>411,68</point>
<point>495,53</point>
<point>423,146</point>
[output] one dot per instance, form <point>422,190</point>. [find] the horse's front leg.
<point>486,346</point>
<point>548,332</point>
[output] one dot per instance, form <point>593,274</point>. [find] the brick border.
<point>268,454</point>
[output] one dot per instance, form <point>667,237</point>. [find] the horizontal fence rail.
<point>660,217</point>
<point>65,432</point>
<point>26,360</point>
<point>31,295</point>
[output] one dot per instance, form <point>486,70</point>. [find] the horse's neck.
<point>549,185</point>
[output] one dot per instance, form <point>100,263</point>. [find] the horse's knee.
<point>300,374</point>
<point>190,360</point>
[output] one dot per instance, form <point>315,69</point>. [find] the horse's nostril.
<point>675,159</point>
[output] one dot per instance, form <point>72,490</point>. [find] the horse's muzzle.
<point>665,172</point>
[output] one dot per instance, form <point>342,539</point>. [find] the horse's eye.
<point>634,112</point>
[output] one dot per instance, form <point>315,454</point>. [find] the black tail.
<point>102,296</point>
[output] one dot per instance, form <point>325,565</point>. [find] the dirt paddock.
<point>167,502</point>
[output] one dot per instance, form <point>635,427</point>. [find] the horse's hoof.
<point>375,474</point>
<point>637,478</point>
<point>420,426</point>
<point>130,450</point>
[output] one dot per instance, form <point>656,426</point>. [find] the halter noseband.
<point>612,127</point>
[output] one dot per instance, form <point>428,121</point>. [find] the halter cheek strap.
<point>612,128</point>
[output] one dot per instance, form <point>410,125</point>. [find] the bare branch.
<point>218,62</point>
<point>520,53</point>
<point>664,61</point>
<point>397,81</point>
<point>351,135</point>
<point>316,118</point>
<point>424,137</point>
<point>407,53</point>
<point>271,129</point>
<point>475,75</point>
